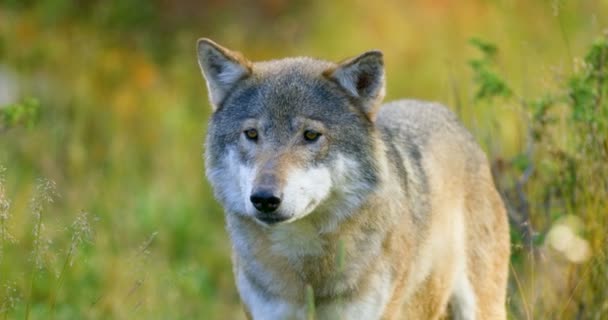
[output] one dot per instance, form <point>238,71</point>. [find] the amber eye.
<point>251,134</point>
<point>310,135</point>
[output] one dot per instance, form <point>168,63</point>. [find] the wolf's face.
<point>288,137</point>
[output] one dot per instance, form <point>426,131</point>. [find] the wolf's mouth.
<point>271,219</point>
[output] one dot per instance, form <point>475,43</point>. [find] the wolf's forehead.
<point>294,81</point>
<point>296,93</point>
<point>287,92</point>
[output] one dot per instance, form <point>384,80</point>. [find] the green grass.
<point>107,102</point>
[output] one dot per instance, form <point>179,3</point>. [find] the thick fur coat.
<point>387,211</point>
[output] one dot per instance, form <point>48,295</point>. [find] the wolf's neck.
<point>299,254</point>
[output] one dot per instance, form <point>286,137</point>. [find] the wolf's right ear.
<point>221,68</point>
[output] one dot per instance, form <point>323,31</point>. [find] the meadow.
<point>105,212</point>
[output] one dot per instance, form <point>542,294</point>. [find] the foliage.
<point>490,84</point>
<point>549,184</point>
<point>25,114</point>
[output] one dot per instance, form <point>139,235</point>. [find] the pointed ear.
<point>362,78</point>
<point>221,68</point>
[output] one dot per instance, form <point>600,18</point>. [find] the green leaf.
<point>25,113</point>
<point>490,84</point>
<point>521,162</point>
<point>487,48</point>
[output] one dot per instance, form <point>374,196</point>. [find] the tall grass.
<point>556,188</point>
<point>120,111</point>
<point>45,194</point>
<point>81,232</point>
<point>48,264</point>
<point>8,288</point>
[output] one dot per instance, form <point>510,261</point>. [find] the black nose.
<point>265,201</point>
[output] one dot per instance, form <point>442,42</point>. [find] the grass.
<point>108,103</point>
<point>553,191</point>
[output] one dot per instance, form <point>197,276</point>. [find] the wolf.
<point>341,207</point>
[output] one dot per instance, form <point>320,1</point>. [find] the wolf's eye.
<point>251,134</point>
<point>311,136</point>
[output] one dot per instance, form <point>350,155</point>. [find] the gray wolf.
<point>387,211</point>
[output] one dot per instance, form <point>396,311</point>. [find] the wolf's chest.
<point>296,241</point>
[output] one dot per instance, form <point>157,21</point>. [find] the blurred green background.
<point>105,99</point>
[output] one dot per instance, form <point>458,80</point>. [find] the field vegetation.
<point>104,209</point>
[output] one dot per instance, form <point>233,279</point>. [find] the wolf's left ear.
<point>221,68</point>
<point>362,78</point>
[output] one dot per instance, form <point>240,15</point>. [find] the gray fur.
<point>279,92</point>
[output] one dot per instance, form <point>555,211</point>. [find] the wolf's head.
<point>290,137</point>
